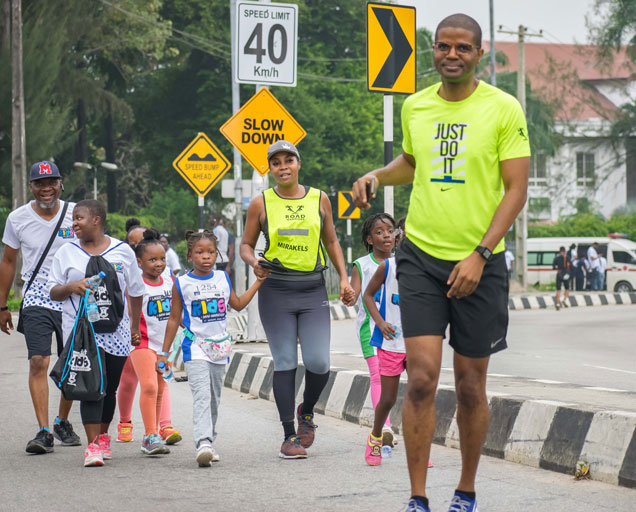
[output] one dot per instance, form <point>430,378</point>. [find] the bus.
<point>619,252</point>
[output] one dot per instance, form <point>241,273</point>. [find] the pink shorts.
<point>391,363</point>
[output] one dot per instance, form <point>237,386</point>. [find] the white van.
<point>619,252</point>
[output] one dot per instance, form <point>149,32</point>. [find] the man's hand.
<point>388,331</point>
<point>465,276</point>
<point>6,323</point>
<point>360,188</point>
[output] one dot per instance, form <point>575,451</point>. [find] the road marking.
<point>547,381</point>
<point>599,388</point>
<point>610,369</point>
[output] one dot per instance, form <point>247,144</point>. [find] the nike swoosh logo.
<point>495,343</point>
<point>445,189</point>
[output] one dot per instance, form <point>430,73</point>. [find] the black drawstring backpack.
<point>79,371</point>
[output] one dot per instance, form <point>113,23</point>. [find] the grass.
<point>545,287</point>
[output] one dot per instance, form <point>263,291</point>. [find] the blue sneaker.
<point>415,506</point>
<point>462,503</point>
<point>153,445</point>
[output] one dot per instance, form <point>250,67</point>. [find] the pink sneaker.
<point>373,452</point>
<point>93,455</point>
<point>104,445</point>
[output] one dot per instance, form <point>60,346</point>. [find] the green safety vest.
<point>292,229</point>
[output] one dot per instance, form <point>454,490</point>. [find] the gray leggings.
<point>292,311</point>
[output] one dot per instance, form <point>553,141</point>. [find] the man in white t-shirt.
<point>510,258</point>
<point>602,270</point>
<point>595,264</point>
<point>222,238</point>
<point>172,259</point>
<point>28,229</point>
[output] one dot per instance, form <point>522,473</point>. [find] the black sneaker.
<point>63,432</point>
<point>41,443</point>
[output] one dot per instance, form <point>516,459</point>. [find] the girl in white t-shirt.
<point>151,258</point>
<point>68,284</point>
<point>199,302</point>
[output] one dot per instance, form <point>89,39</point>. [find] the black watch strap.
<point>484,251</point>
<point>5,308</point>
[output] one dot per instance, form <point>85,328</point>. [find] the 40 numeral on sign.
<point>259,51</point>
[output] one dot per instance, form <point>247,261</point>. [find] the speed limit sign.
<point>266,38</point>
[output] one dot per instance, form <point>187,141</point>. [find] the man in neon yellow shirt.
<point>466,151</point>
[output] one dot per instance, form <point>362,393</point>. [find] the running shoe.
<point>63,432</point>
<point>152,444</point>
<point>41,443</point>
<point>124,432</point>
<point>388,437</point>
<point>430,463</point>
<point>306,428</point>
<point>292,448</point>
<point>462,503</point>
<point>373,451</point>
<point>103,441</point>
<point>93,455</point>
<point>205,455</point>
<point>170,435</point>
<point>415,506</point>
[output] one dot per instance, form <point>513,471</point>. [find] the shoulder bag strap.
<point>47,248</point>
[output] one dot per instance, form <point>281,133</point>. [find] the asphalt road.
<point>250,475</point>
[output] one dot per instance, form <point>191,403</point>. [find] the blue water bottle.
<point>166,372</point>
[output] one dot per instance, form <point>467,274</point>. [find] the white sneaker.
<point>388,437</point>
<point>206,454</point>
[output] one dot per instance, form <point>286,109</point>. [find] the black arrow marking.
<point>352,207</point>
<point>401,49</point>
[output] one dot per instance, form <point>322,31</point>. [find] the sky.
<point>562,21</point>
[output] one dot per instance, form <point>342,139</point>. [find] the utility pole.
<point>18,141</point>
<point>521,224</point>
<point>493,76</point>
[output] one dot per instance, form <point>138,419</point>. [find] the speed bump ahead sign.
<point>390,48</point>
<point>346,207</point>
<point>258,124</point>
<point>201,164</point>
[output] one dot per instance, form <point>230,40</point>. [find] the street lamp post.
<point>106,165</point>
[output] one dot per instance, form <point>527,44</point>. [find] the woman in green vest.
<point>296,221</point>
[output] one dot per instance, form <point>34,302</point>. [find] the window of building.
<point>538,172</point>
<point>585,170</point>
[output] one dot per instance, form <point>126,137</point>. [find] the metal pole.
<point>521,224</point>
<point>95,182</point>
<point>493,76</point>
<point>388,149</point>
<point>239,265</point>
<point>18,140</point>
<point>201,204</point>
<point>349,241</point>
<point>255,329</point>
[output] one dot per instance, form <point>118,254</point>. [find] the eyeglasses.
<point>461,48</point>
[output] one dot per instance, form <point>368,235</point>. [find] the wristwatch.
<point>164,354</point>
<point>4,308</point>
<point>485,252</point>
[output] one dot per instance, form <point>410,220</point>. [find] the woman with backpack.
<point>114,331</point>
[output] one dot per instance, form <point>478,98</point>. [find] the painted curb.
<point>540,433</point>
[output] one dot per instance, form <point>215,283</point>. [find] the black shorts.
<point>562,283</point>
<point>39,326</point>
<point>478,323</point>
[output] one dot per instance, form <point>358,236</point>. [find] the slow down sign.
<point>259,123</point>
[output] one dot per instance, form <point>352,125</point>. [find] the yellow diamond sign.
<point>259,123</point>
<point>201,164</point>
<point>346,207</point>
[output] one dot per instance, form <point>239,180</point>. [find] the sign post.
<point>202,165</point>
<point>390,65</point>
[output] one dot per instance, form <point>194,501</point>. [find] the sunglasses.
<point>461,48</point>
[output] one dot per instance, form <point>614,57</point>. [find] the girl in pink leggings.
<point>151,258</point>
<point>378,236</point>
<point>128,383</point>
